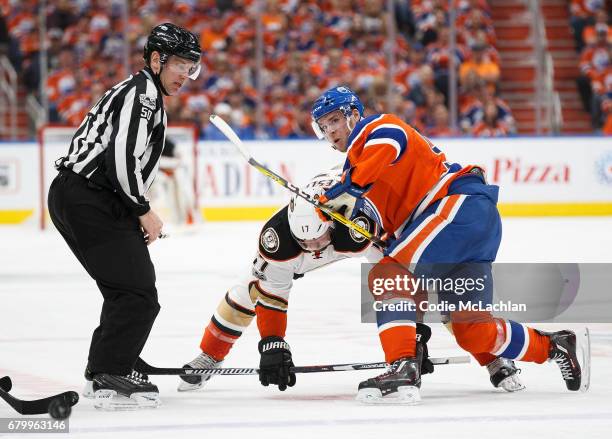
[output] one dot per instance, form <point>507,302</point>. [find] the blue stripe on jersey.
<point>397,134</point>
<point>370,210</point>
<point>346,166</point>
<point>452,167</point>
<point>385,316</point>
<point>359,126</point>
<point>517,341</point>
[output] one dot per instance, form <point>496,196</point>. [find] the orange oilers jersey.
<point>406,172</point>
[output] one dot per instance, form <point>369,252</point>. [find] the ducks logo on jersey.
<point>270,240</point>
<point>364,223</point>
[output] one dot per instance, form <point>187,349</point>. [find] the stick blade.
<point>6,384</point>
<point>41,406</point>
<point>70,397</point>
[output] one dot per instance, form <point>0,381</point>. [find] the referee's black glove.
<point>275,363</point>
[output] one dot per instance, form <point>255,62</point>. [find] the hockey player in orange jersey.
<point>295,241</point>
<point>434,212</point>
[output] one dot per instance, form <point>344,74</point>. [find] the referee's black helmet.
<point>170,39</point>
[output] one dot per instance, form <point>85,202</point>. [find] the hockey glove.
<point>344,197</point>
<point>276,363</point>
<point>423,335</point>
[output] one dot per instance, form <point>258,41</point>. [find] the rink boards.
<point>538,176</point>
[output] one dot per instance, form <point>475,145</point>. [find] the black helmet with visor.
<point>169,39</point>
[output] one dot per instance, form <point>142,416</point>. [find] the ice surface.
<point>49,307</point>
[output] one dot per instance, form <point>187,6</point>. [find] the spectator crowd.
<point>593,34</point>
<point>308,46</point>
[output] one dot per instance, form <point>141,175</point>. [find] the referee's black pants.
<point>107,240</point>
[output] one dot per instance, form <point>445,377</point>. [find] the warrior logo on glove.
<point>276,363</point>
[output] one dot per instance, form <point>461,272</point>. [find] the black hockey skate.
<point>195,382</point>
<point>88,391</point>
<point>124,392</point>
<point>504,374</point>
<point>399,385</point>
<point>572,357</point>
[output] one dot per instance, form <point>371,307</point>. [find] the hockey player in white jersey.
<point>296,240</point>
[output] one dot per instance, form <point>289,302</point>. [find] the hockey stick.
<point>143,367</point>
<point>37,406</point>
<point>233,137</point>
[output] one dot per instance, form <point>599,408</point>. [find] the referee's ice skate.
<point>124,392</point>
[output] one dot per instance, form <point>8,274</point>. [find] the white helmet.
<point>308,225</point>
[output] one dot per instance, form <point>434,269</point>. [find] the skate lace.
<point>564,366</point>
<point>504,364</point>
<point>138,377</point>
<point>391,369</point>
<point>203,361</point>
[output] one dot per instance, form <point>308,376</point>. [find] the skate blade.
<point>405,395</point>
<point>511,384</point>
<point>88,391</point>
<point>109,400</point>
<point>583,342</point>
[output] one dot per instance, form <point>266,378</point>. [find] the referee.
<point>98,204</point>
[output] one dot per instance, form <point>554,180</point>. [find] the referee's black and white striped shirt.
<point>119,143</point>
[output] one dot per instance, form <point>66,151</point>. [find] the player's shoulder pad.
<point>275,240</point>
<point>346,240</point>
